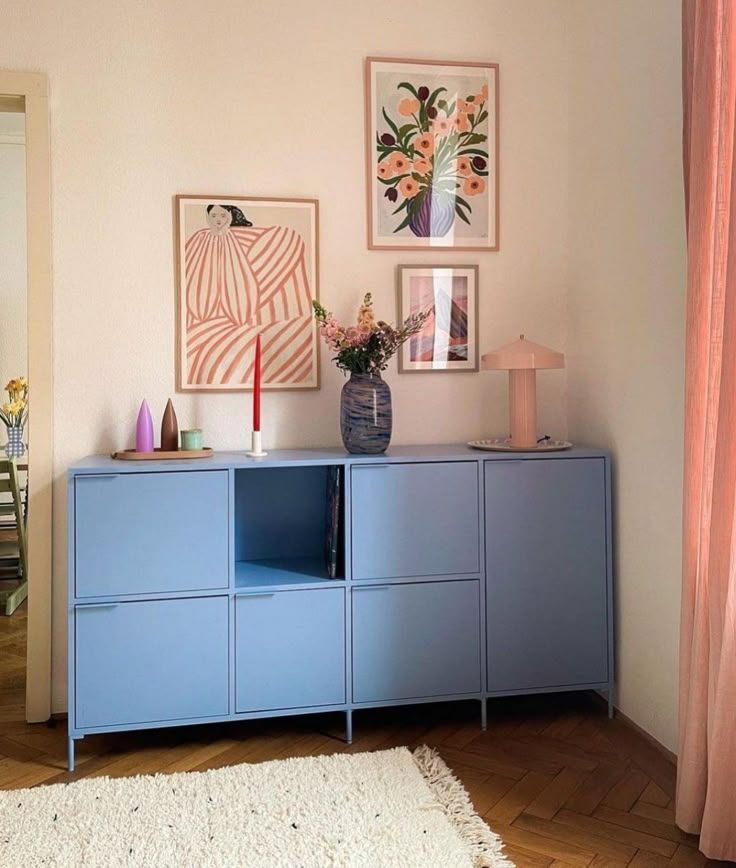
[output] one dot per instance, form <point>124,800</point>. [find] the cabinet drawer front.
<point>156,660</point>
<point>546,573</point>
<point>289,649</point>
<point>415,520</point>
<point>416,640</point>
<point>142,533</point>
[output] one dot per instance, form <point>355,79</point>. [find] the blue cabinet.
<point>198,590</point>
<point>546,569</point>
<point>149,661</point>
<point>289,649</point>
<point>415,519</point>
<point>416,640</point>
<point>141,533</point>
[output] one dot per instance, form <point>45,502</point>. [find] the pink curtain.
<point>706,786</point>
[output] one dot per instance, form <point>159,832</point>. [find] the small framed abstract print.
<point>432,154</point>
<point>449,339</point>
<point>246,267</point>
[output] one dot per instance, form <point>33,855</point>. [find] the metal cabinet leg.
<point>484,714</point>
<point>610,702</point>
<point>70,754</point>
<point>349,726</point>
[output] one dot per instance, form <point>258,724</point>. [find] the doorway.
<point>25,399</point>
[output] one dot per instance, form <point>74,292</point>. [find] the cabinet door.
<point>157,660</point>
<point>416,640</point>
<point>546,573</point>
<point>289,649</point>
<point>415,520</point>
<point>151,532</point>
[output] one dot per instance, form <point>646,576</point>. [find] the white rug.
<point>389,809</point>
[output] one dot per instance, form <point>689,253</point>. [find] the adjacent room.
<point>369,476</point>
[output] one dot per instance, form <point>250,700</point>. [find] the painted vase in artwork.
<point>433,217</point>
<point>366,418</point>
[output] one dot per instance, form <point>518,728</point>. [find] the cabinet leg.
<point>349,726</point>
<point>484,714</point>
<point>610,702</point>
<point>70,754</point>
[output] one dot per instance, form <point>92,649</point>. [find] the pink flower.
<point>385,169</point>
<point>408,107</point>
<point>462,124</point>
<point>474,186</point>
<point>422,166</point>
<point>399,163</point>
<point>425,144</point>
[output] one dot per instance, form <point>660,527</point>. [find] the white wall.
<point>13,306</point>
<point>627,315</point>
<point>155,97</point>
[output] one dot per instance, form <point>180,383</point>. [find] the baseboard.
<point>650,739</point>
<point>657,745</point>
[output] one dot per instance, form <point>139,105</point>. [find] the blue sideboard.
<point>198,590</point>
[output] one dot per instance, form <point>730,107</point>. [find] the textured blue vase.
<point>365,414</point>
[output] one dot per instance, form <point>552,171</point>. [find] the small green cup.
<point>192,439</point>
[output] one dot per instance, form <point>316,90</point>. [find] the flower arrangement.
<point>366,347</point>
<point>14,412</point>
<point>435,158</point>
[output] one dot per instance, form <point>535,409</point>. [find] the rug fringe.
<point>485,845</point>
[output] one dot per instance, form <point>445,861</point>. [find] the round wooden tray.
<point>501,444</point>
<point>160,455</point>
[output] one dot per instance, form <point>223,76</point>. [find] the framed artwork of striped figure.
<point>246,266</point>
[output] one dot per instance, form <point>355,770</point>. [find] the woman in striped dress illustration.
<point>242,280</point>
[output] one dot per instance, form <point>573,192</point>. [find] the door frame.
<point>30,89</point>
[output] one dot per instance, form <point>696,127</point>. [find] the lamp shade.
<point>522,355</point>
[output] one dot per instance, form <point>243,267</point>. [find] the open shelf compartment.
<point>284,517</point>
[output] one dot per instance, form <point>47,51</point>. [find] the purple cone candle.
<point>144,430</point>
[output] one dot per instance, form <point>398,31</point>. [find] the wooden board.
<point>160,455</point>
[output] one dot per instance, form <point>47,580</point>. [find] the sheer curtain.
<point>706,788</point>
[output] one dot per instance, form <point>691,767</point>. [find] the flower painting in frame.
<point>432,154</point>
<point>447,296</point>
<point>246,267</point>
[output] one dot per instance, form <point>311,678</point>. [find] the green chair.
<point>13,546</point>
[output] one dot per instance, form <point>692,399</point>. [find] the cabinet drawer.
<point>415,520</point>
<point>546,573</point>
<point>142,533</point>
<point>155,660</point>
<point>416,640</point>
<point>289,649</point>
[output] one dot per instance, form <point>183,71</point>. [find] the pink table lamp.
<point>521,359</point>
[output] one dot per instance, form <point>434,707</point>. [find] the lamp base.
<point>256,450</point>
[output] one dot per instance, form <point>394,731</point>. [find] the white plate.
<point>502,444</point>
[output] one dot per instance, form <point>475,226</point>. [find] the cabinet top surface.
<point>332,455</point>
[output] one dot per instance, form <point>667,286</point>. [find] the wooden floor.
<point>560,783</point>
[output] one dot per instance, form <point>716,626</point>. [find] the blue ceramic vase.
<point>365,414</point>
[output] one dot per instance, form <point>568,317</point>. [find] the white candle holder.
<point>256,450</point>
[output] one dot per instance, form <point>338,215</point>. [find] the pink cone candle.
<point>144,430</point>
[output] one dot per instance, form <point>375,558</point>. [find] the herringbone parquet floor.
<point>561,784</point>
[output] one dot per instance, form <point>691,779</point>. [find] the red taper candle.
<point>257,387</point>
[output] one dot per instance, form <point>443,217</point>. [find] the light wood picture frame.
<point>432,154</point>
<point>448,341</point>
<point>246,266</point>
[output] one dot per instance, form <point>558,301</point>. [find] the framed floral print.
<point>246,266</point>
<point>432,154</point>
<point>448,340</point>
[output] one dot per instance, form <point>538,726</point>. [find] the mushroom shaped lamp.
<point>522,359</point>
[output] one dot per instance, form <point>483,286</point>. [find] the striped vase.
<point>365,414</point>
